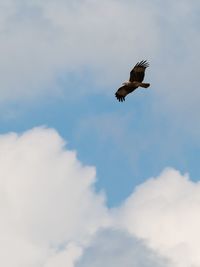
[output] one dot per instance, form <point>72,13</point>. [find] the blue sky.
<point>127,142</point>
<point>61,64</point>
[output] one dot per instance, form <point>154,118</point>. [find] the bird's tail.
<point>144,85</point>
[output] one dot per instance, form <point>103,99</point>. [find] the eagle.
<point>135,81</point>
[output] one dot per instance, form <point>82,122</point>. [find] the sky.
<point>86,180</point>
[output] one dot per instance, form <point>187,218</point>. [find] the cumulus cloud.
<point>164,211</point>
<point>47,200</point>
<point>52,216</point>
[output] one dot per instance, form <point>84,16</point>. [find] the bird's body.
<point>135,81</point>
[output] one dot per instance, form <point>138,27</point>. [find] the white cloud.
<point>164,211</point>
<point>47,199</point>
<point>51,215</point>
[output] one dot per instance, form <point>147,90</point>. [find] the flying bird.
<point>135,81</point>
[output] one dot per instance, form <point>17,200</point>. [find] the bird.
<point>135,81</point>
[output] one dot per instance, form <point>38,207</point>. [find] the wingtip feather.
<point>119,98</point>
<point>143,63</point>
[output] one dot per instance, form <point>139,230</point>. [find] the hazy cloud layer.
<point>51,215</point>
<point>52,48</point>
<point>43,41</point>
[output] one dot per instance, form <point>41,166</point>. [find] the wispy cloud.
<point>40,40</point>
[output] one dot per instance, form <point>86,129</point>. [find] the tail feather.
<point>144,85</point>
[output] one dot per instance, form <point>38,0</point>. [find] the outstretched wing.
<point>121,93</point>
<point>137,73</point>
